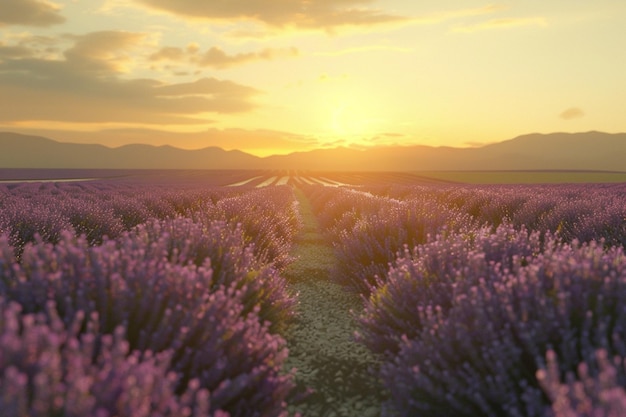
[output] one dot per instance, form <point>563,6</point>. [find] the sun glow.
<point>342,121</point>
<point>354,123</point>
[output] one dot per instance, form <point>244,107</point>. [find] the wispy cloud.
<point>365,49</point>
<point>447,15</point>
<point>330,15</point>
<point>217,58</point>
<point>475,144</point>
<point>30,13</point>
<point>384,138</point>
<point>572,113</point>
<point>308,14</point>
<point>502,23</point>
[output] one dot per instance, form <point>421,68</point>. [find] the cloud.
<point>216,58</point>
<point>475,144</point>
<point>304,14</point>
<point>446,15</point>
<point>23,45</point>
<point>85,84</point>
<point>14,51</point>
<point>254,33</point>
<point>502,23</point>
<point>104,50</point>
<point>30,13</point>
<point>384,138</point>
<point>362,49</point>
<point>572,113</point>
<point>170,53</point>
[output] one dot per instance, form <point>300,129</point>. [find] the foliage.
<point>471,345</point>
<point>48,369</point>
<point>177,279</point>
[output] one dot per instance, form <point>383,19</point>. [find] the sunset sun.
<point>351,123</point>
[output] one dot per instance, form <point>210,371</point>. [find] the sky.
<point>278,76</point>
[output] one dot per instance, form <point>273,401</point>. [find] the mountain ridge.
<point>592,151</point>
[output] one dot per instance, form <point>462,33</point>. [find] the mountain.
<point>594,151</point>
<point>21,151</point>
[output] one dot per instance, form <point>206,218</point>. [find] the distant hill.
<point>21,151</point>
<point>593,151</point>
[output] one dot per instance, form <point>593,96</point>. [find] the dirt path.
<point>320,343</point>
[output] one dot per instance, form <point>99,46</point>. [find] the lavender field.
<point>147,295</point>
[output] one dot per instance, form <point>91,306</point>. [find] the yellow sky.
<point>276,76</point>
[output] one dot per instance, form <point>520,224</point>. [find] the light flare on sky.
<point>268,76</point>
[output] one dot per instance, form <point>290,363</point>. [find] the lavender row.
<point>575,211</point>
<point>369,225</point>
<point>194,291</point>
<point>269,217</point>
<point>464,323</point>
<point>96,209</point>
<point>367,230</point>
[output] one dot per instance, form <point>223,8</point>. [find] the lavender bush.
<point>478,355</point>
<point>22,222</point>
<point>222,248</point>
<point>367,237</point>
<point>91,219</point>
<point>597,390</point>
<point>268,216</point>
<point>431,275</point>
<point>164,306</point>
<point>47,369</point>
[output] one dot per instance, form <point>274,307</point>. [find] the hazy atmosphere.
<point>277,76</point>
<point>316,208</point>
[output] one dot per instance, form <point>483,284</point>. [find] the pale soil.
<point>320,342</point>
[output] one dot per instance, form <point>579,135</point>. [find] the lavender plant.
<point>596,390</point>
<point>222,248</point>
<point>479,355</point>
<point>47,369</point>
<point>22,222</point>
<point>366,241</point>
<point>165,307</point>
<point>268,216</point>
<point>431,275</point>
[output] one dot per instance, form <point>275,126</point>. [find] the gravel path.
<point>320,342</point>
